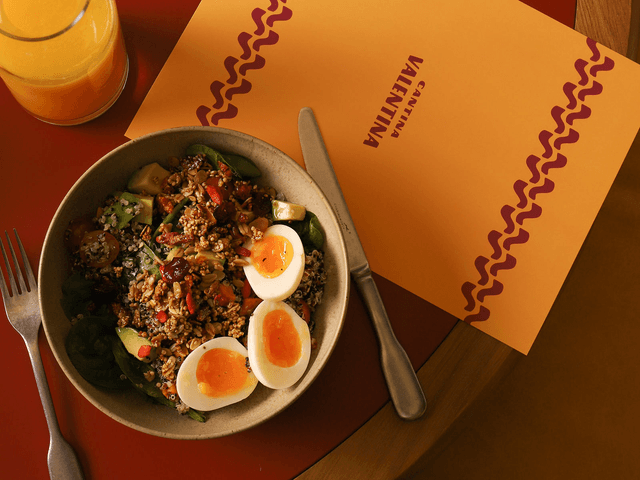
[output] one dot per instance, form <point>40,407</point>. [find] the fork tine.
<point>3,283</point>
<point>23,287</point>
<point>27,266</point>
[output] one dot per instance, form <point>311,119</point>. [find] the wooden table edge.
<point>451,381</point>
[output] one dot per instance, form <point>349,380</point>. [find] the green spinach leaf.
<point>309,230</point>
<point>239,165</point>
<point>88,345</point>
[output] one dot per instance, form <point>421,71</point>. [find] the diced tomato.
<point>249,305</point>
<point>176,270</point>
<point>161,316</point>
<point>260,203</point>
<point>243,191</point>
<point>224,212</point>
<point>76,231</point>
<point>245,252</point>
<point>107,244</point>
<point>165,205</point>
<point>225,295</point>
<point>144,351</point>
<point>191,304</point>
<point>168,390</point>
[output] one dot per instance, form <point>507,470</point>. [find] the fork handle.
<point>62,459</point>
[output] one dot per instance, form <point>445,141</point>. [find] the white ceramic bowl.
<point>109,174</point>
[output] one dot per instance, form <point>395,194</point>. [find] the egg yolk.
<point>282,343</point>
<point>272,255</point>
<point>221,372</point>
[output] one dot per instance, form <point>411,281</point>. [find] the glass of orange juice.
<point>64,61</point>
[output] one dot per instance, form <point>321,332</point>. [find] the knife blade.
<point>404,388</point>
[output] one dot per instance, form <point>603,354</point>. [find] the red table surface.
<point>38,164</point>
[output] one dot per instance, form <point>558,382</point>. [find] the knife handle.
<point>405,389</point>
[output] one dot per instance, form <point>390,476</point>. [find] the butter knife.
<point>405,389</point>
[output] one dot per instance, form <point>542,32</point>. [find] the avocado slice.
<point>146,214</point>
<point>282,210</point>
<point>148,179</point>
<point>124,209</point>
<point>315,236</point>
<point>210,257</point>
<point>135,344</point>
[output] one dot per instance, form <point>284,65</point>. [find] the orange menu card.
<point>475,141</point>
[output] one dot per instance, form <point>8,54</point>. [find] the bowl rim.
<point>341,259</point>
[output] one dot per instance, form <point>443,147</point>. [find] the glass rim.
<point>53,35</point>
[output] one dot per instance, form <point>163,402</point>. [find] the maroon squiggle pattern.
<point>526,192</point>
<point>238,67</point>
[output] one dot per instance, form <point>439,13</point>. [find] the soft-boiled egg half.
<point>215,375</point>
<point>276,263</point>
<point>279,344</point>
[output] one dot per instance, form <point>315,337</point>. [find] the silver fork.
<point>21,305</point>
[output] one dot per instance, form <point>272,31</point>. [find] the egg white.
<point>187,383</point>
<point>285,284</point>
<point>270,375</point>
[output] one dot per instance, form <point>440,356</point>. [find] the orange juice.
<point>64,61</point>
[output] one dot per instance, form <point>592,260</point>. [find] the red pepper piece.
<point>174,238</point>
<point>245,252</point>
<point>191,304</point>
<point>225,169</point>
<point>306,311</point>
<point>246,289</point>
<point>144,351</point>
<point>217,193</point>
<point>161,316</point>
<point>248,306</point>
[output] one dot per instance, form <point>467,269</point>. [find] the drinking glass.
<point>64,61</point>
